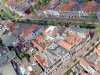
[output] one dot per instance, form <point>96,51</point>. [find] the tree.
<point>92,16</point>
<point>87,0</point>
<point>24,55</point>
<point>28,20</point>
<point>1,42</point>
<point>83,24</point>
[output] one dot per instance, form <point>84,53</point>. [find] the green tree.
<point>92,16</point>
<point>83,24</point>
<point>1,44</point>
<point>24,55</point>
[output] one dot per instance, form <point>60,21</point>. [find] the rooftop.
<point>3,51</point>
<point>9,39</point>
<point>40,46</point>
<point>56,49</point>
<point>39,59</point>
<point>97,51</point>
<point>39,38</point>
<point>28,29</point>
<point>65,44</point>
<point>32,73</point>
<point>84,62</point>
<point>89,5</point>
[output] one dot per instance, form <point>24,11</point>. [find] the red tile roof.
<point>71,3</point>
<point>98,46</point>
<point>32,73</point>
<point>8,24</point>
<point>97,64</point>
<point>91,6</point>
<point>97,51</point>
<point>62,7</point>
<point>90,3</point>
<point>11,2</point>
<point>86,8</point>
<point>33,3</point>
<point>39,38</point>
<point>13,27</point>
<point>97,73</point>
<point>84,62</point>
<point>39,59</point>
<point>65,44</point>
<point>39,46</point>
<point>28,29</point>
<point>65,7</point>
<point>82,72</point>
<point>69,41</point>
<point>43,8</point>
<point>72,39</point>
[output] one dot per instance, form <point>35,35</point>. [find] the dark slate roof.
<point>82,30</point>
<point>8,39</point>
<point>3,51</point>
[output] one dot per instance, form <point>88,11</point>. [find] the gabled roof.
<point>28,29</point>
<point>84,62</point>
<point>82,72</point>
<point>97,51</point>
<point>90,6</point>
<point>39,38</point>
<point>38,45</point>
<point>72,39</point>
<point>97,73</point>
<point>71,3</point>
<point>11,2</point>
<point>43,8</point>
<point>98,46</point>
<point>32,73</point>
<point>39,59</point>
<point>65,7</point>
<point>65,44</point>
<point>62,7</point>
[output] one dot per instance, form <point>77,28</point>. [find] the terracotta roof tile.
<point>39,38</point>
<point>72,39</point>
<point>97,51</point>
<point>63,7</point>
<point>43,8</point>
<point>28,29</point>
<point>98,64</point>
<point>39,59</point>
<point>71,3</point>
<point>32,73</point>
<point>97,73</point>
<point>98,46</point>
<point>39,46</point>
<point>65,44</point>
<point>82,72</point>
<point>89,5</point>
<point>11,2</point>
<point>84,62</point>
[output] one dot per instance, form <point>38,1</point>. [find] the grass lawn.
<point>4,1</point>
<point>97,25</point>
<point>8,11</point>
<point>2,15</point>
